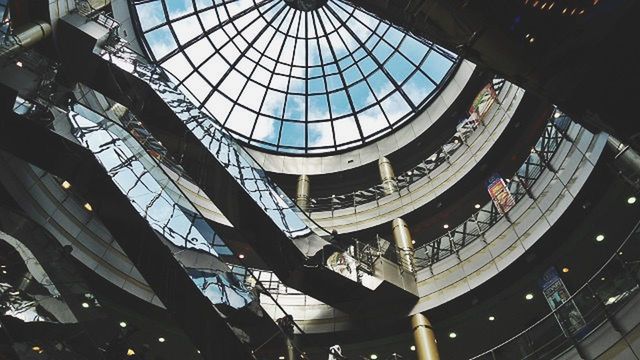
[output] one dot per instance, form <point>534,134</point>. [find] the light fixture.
<point>477,206</point>
<point>14,293</point>
<point>161,339</point>
<point>599,238</point>
<point>453,335</point>
<point>241,256</point>
<point>602,278</point>
<point>529,296</point>
<point>198,351</point>
<point>3,266</point>
<point>565,269</point>
<point>4,272</point>
<point>36,348</point>
<point>412,348</point>
<point>413,242</point>
<point>85,305</point>
<point>631,200</point>
<point>557,114</point>
<point>446,226</point>
<point>611,300</point>
<point>19,63</point>
<point>88,207</point>
<point>130,352</point>
<point>620,253</point>
<point>123,324</point>
<point>491,318</point>
<point>281,357</point>
<point>373,356</point>
<point>531,39</point>
<point>409,173</point>
<point>66,185</point>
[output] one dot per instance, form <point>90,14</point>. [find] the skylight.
<point>294,76</point>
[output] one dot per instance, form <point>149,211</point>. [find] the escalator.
<point>178,254</point>
<point>280,233</point>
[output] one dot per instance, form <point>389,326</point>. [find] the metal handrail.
<point>404,181</point>
<point>614,256</point>
<point>488,215</point>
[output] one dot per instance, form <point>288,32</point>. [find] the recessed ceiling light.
<point>4,272</point>
<point>373,356</point>
<point>198,351</point>
<point>446,226</point>
<point>281,357</point>
<point>565,269</point>
<point>85,305</point>
<point>599,238</point>
<point>413,242</point>
<point>491,318</point>
<point>529,296</point>
<point>241,256</point>
<point>19,63</point>
<point>36,348</point>
<point>453,335</point>
<point>631,200</point>
<point>66,185</point>
<point>123,324</point>
<point>602,278</point>
<point>477,206</point>
<point>413,348</point>
<point>161,339</point>
<point>88,207</point>
<point>130,352</point>
<point>612,299</point>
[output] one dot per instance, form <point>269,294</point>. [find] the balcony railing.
<point>604,294</point>
<point>488,215</point>
<point>423,169</point>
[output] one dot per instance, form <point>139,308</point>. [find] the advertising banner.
<point>566,313</point>
<point>500,194</point>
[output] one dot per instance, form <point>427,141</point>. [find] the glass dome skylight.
<point>294,76</point>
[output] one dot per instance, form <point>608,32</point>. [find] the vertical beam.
<point>424,337</point>
<point>387,176</point>
<point>404,243</point>
<point>25,37</point>
<point>302,192</point>
<point>627,161</point>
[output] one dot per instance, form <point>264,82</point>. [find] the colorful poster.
<point>483,100</point>
<point>500,194</point>
<point>566,312</point>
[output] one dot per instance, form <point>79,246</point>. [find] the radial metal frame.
<point>326,20</point>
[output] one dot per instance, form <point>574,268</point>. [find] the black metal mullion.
<point>232,66</point>
<point>376,61</point>
<point>242,55</point>
<point>262,54</point>
<point>293,57</point>
<point>324,78</point>
<point>344,82</point>
<point>366,81</point>
<point>213,28</point>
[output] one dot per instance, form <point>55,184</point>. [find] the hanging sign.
<point>566,312</point>
<point>500,194</point>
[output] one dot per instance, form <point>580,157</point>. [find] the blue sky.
<point>335,72</point>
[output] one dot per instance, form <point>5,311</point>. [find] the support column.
<point>404,243</point>
<point>302,192</point>
<point>425,339</point>
<point>627,160</point>
<point>387,176</point>
<point>24,37</point>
